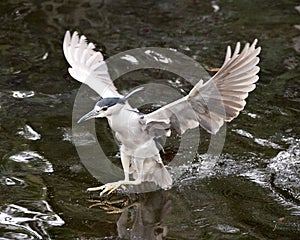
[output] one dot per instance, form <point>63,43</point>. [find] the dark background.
<point>251,192</point>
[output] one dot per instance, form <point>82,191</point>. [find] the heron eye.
<point>97,109</point>
<point>104,108</point>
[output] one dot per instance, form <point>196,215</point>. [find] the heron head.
<point>103,108</point>
<point>108,106</point>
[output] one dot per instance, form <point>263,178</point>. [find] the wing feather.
<point>87,65</point>
<point>216,101</point>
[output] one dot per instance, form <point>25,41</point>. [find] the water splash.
<point>79,138</point>
<point>285,167</point>
<point>266,143</point>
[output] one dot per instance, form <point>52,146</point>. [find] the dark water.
<point>251,192</point>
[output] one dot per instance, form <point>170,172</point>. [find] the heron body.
<point>139,151</point>
<point>208,105</point>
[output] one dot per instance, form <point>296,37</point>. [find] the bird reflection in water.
<point>142,215</point>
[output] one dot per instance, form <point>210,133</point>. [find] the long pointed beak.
<point>89,115</point>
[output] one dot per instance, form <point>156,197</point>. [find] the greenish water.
<point>251,192</point>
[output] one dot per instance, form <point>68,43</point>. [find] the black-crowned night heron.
<point>138,145</point>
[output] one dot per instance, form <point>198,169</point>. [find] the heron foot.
<point>110,187</point>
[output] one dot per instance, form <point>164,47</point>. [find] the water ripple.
<point>11,181</point>
<point>260,141</point>
<point>23,94</point>
<point>28,133</point>
<point>33,160</point>
<point>224,228</point>
<point>33,224</point>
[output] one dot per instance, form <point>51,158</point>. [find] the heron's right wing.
<point>214,102</point>
<point>178,115</point>
<point>87,65</point>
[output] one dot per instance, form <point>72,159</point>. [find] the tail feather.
<point>153,170</point>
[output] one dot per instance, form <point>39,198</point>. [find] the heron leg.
<point>110,187</point>
<point>125,160</point>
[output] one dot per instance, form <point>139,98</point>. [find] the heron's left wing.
<point>87,65</point>
<point>214,102</point>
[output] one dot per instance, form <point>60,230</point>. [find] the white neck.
<point>123,119</point>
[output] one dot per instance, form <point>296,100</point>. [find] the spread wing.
<point>87,65</point>
<point>214,102</point>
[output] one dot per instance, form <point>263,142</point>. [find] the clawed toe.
<point>108,188</point>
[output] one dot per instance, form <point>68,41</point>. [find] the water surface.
<point>251,192</point>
